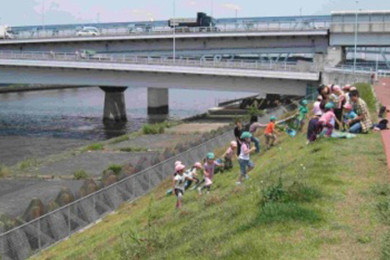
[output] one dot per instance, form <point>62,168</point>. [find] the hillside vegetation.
<point>328,200</point>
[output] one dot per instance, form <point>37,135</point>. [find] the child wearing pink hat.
<point>192,173</point>
<point>179,183</point>
<point>208,172</point>
<point>229,154</point>
<point>349,115</point>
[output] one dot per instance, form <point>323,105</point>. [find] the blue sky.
<point>29,12</point>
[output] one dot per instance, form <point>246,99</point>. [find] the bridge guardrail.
<point>163,61</point>
<point>238,27</point>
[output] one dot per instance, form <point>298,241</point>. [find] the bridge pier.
<point>158,101</point>
<point>114,104</point>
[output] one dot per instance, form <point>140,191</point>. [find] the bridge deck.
<point>229,72</point>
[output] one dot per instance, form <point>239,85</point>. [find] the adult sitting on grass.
<point>362,123</point>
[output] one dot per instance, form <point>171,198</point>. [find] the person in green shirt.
<point>303,110</point>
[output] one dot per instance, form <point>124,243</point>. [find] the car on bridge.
<point>88,31</point>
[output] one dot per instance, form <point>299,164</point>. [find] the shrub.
<point>4,171</point>
<point>153,129</point>
<point>115,168</point>
<point>80,175</point>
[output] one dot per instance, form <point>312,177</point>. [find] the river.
<point>77,113</point>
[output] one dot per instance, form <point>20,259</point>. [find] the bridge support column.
<point>114,104</point>
<point>158,101</point>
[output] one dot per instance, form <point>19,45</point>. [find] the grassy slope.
<point>339,222</point>
<point>329,211</point>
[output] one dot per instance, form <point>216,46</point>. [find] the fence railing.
<point>238,27</point>
<point>29,238</point>
<point>164,61</point>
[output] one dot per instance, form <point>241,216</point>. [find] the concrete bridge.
<point>158,75</point>
<point>303,41</point>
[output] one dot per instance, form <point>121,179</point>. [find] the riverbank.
<point>318,201</point>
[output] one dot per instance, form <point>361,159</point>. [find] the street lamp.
<point>356,36</point>
<point>43,15</point>
<point>174,31</point>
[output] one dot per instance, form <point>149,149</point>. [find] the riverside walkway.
<point>382,90</point>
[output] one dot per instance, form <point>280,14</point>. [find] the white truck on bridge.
<point>6,32</point>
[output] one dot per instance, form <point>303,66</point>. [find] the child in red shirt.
<point>269,132</point>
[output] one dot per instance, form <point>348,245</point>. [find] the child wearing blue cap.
<point>208,172</point>
<point>303,110</point>
<point>327,118</point>
<point>244,157</point>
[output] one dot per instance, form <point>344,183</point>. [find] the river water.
<point>77,113</point>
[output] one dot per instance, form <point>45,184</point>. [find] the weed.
<point>135,246</point>
<point>80,175</point>
<point>273,193</point>
<point>133,149</point>
<point>153,129</point>
<point>115,168</point>
<point>95,147</point>
<point>27,164</point>
<point>119,139</point>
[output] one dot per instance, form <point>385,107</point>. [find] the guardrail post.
<point>39,234</point>
<point>69,227</point>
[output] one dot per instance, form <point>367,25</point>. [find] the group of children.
<point>342,109</point>
<point>335,108</point>
<point>239,149</point>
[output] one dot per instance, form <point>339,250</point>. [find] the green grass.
<point>301,202</point>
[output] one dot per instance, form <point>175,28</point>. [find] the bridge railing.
<point>360,26</point>
<point>163,61</point>
<point>238,27</point>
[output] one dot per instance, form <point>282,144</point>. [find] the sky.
<point>36,12</point>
